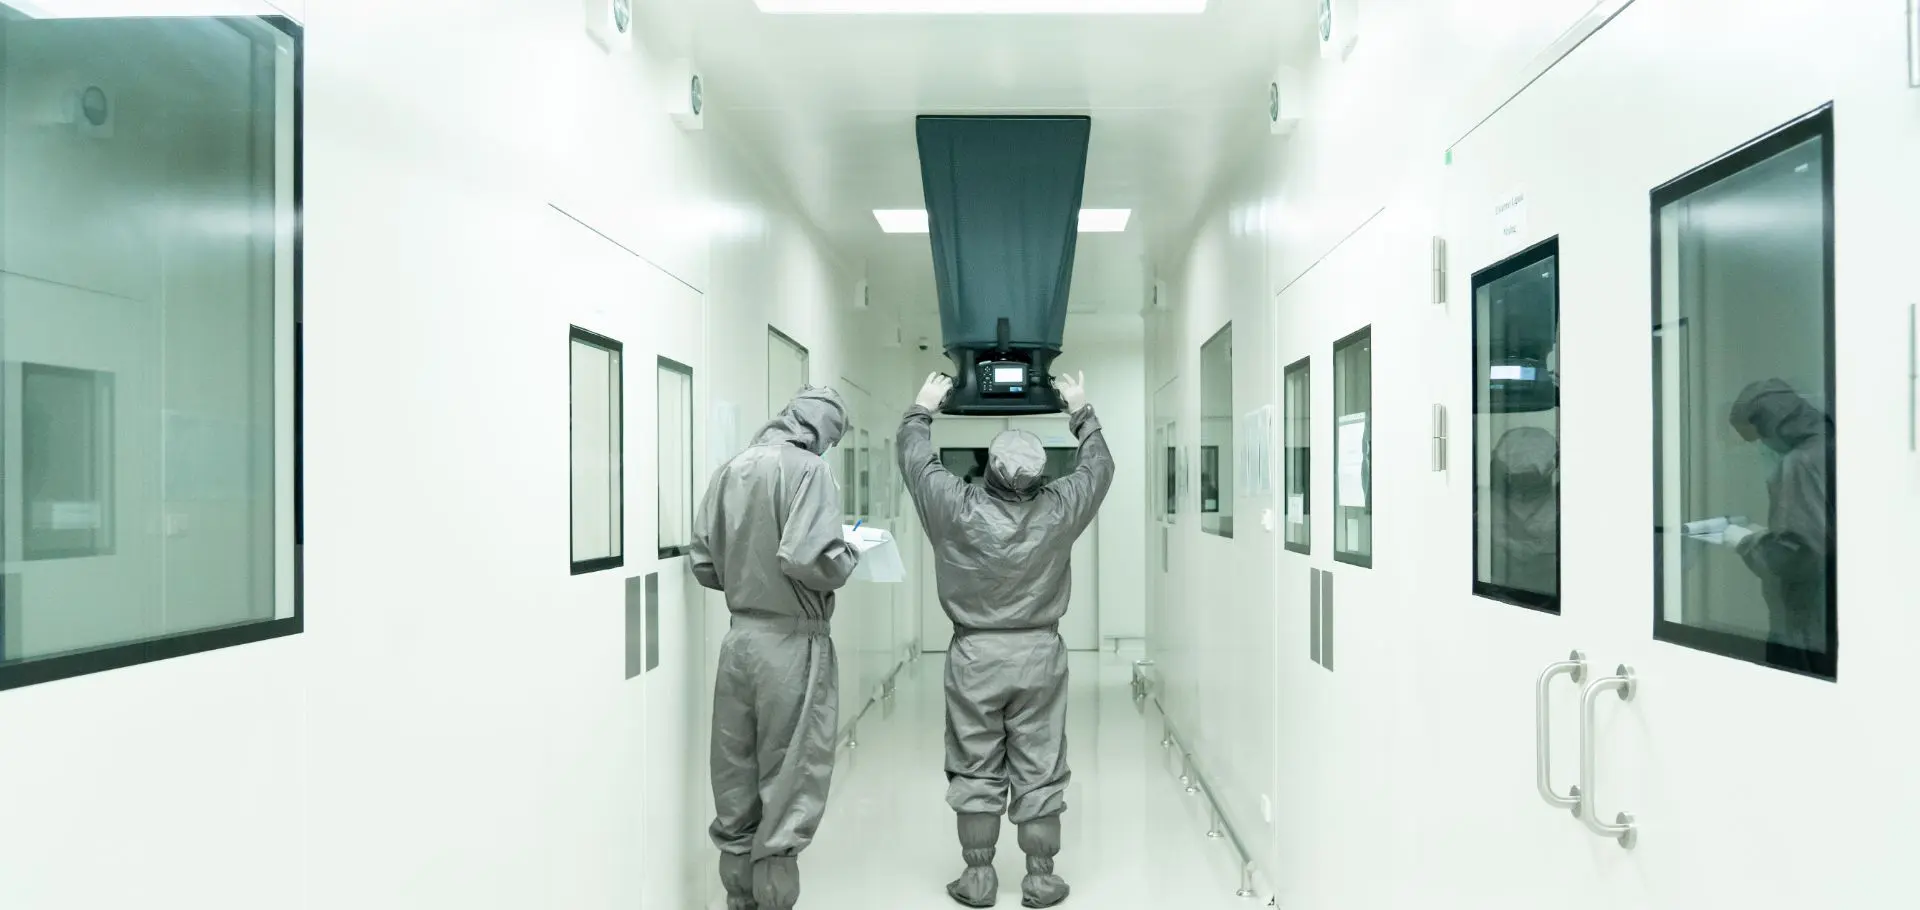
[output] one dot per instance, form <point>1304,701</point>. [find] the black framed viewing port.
<point>1744,451</point>
<point>1516,429</point>
<point>674,496</point>
<point>1353,449</point>
<point>596,453</point>
<point>1297,439</point>
<point>145,520</point>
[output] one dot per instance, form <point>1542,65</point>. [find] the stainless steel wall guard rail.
<point>1196,783</point>
<point>848,738</point>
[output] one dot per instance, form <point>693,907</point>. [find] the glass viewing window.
<point>1353,449</point>
<point>596,448</point>
<point>1516,429</point>
<point>1216,433</point>
<point>1298,443</point>
<point>675,453</point>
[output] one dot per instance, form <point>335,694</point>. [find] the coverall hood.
<point>814,420</point>
<point>1782,418</point>
<point>1016,465</point>
<point>1525,457</point>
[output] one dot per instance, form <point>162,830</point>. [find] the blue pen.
<point>857,524</point>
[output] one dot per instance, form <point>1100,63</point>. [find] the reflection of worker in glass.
<point>1526,504</point>
<point>768,535</point>
<point>1790,554</point>
<point>1001,564</point>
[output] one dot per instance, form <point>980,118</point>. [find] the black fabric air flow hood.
<point>1003,210</point>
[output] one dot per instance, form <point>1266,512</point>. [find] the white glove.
<point>1072,388</point>
<point>934,393</point>
<point>1736,533</point>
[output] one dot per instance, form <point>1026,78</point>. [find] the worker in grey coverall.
<point>768,535</point>
<point>1000,552</point>
<point>1790,553</point>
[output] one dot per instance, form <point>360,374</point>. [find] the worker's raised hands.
<point>934,392</point>
<point>1073,390</point>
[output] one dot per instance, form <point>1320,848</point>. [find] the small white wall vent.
<point>686,98</point>
<point>610,24</point>
<point>1339,28</point>
<point>1286,96</point>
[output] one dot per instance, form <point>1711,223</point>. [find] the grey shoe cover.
<point>979,885</point>
<point>776,883</point>
<point>1040,841</point>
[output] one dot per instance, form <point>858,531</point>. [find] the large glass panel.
<point>788,369</point>
<point>1298,441</point>
<point>149,428</point>
<point>1216,433</point>
<point>598,540</point>
<point>675,447</point>
<point>970,464</point>
<point>1353,448</point>
<point>1169,468</point>
<point>1743,404</point>
<point>1516,429</point>
<point>849,477</point>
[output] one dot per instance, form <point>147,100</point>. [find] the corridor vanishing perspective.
<point>1464,453</point>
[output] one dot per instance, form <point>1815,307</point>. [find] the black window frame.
<point>1303,366</point>
<point>1824,665</point>
<point>1223,500</point>
<point>1531,257</point>
<point>134,653</point>
<point>1348,557</point>
<point>576,334</point>
<point>676,550</point>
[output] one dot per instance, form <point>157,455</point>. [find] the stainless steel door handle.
<point>1574,666</point>
<point>1623,828</point>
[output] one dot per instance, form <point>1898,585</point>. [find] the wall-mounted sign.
<point>1510,219</point>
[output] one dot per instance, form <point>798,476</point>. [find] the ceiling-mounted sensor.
<point>686,96</point>
<point>610,24</point>
<point>1285,96</point>
<point>1339,28</point>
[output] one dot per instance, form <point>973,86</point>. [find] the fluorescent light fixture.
<point>914,221</point>
<point>139,9</point>
<point>987,7</point>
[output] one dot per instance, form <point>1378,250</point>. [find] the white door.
<point>1760,234</point>
<point>1354,454</point>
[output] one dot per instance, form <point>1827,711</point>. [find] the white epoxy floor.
<point>1132,837</point>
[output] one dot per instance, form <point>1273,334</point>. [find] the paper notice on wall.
<point>75,516</point>
<point>1510,219</point>
<point>1297,509</point>
<point>1352,441</point>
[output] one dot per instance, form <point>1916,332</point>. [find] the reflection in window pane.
<point>1216,433</point>
<point>1353,448</point>
<point>1516,429</point>
<point>594,403</point>
<point>1743,379</point>
<point>849,471</point>
<point>1298,507</point>
<point>675,446</point>
<point>147,339</point>
<point>788,367</point>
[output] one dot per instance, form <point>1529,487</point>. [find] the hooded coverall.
<point>768,535</point>
<point>1790,556</point>
<point>1001,566</point>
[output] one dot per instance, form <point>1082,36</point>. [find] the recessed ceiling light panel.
<point>986,7</point>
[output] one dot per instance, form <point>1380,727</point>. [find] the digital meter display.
<point>1009,375</point>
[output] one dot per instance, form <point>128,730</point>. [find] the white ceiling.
<point>829,102</point>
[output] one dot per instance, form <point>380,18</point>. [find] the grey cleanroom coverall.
<point>1000,552</point>
<point>1790,556</point>
<point>768,534</point>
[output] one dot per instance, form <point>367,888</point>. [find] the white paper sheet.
<point>879,554</point>
<point>1353,454</point>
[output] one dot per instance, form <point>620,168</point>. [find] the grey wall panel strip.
<point>1326,620</point>
<point>653,620</point>
<point>636,606</point>
<point>1313,598</point>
